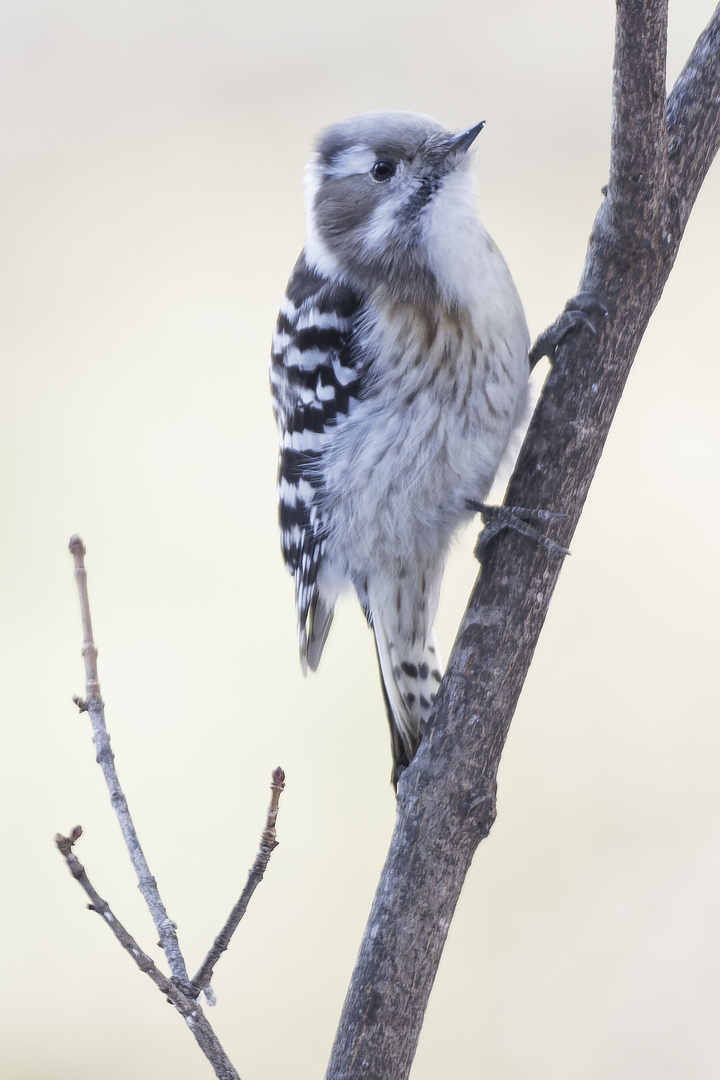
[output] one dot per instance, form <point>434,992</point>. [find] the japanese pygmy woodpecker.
<point>399,370</point>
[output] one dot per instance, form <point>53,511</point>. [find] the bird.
<point>399,371</point>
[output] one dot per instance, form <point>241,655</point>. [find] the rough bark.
<point>661,150</point>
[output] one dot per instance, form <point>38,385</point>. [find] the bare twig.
<point>268,842</point>
<point>187,1006</point>
<point>93,705</point>
<point>178,990</point>
<point>64,845</point>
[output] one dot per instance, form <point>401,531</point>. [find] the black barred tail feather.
<point>410,678</point>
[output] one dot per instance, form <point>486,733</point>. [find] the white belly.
<point>445,397</point>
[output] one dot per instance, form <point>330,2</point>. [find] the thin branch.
<point>186,1006</point>
<point>93,705</point>
<point>639,89</point>
<point>177,990</point>
<point>693,119</point>
<point>64,845</point>
<point>268,842</point>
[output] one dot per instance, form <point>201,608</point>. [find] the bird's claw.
<point>575,314</point>
<point>497,518</point>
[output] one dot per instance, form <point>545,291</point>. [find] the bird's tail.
<point>410,674</point>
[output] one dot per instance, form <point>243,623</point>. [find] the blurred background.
<point>152,162</point>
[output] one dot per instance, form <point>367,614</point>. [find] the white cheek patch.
<point>383,221</point>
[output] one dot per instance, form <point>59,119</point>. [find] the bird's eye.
<point>382,171</point>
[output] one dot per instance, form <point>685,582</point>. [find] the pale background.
<point>152,157</point>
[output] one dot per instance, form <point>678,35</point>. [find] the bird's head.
<point>378,189</point>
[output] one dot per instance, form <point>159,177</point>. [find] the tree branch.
<point>638,147</point>
<point>693,120</point>
<point>268,842</point>
<point>178,990</point>
<point>446,798</point>
<point>93,705</point>
<point>186,1006</point>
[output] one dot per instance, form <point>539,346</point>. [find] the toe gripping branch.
<point>517,518</point>
<point>576,314</point>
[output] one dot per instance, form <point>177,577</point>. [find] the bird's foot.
<point>517,518</point>
<point>576,314</point>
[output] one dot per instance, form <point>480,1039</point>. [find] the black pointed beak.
<point>465,139</point>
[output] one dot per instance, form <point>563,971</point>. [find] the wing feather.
<point>315,378</point>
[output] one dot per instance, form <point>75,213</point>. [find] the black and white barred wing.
<point>314,383</point>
